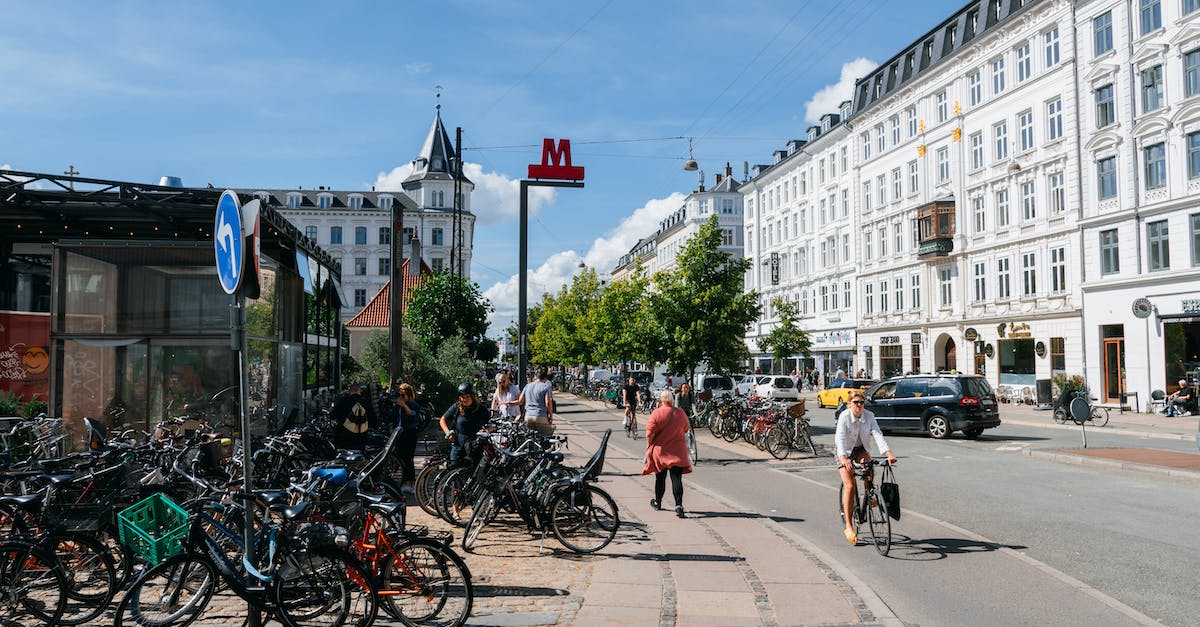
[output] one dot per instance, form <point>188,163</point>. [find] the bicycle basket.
<point>797,410</point>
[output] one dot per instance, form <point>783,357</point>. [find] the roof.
<point>378,312</point>
<point>436,159</point>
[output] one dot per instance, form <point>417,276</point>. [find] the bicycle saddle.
<point>271,498</point>
<point>387,508</point>
<point>60,480</point>
<point>293,512</point>
<point>27,502</point>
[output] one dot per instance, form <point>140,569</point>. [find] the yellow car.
<point>839,391</point>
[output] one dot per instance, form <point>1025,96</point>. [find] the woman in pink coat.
<point>667,451</point>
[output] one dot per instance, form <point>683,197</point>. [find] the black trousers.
<point>660,485</point>
<point>406,444</point>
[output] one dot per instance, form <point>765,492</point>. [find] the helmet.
<point>466,387</point>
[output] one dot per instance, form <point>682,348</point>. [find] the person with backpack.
<point>463,419</point>
<point>354,414</point>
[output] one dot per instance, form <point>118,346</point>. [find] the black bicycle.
<point>871,506</point>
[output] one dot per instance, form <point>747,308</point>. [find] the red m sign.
<point>556,162</point>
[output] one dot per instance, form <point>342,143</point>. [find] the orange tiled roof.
<point>378,312</point>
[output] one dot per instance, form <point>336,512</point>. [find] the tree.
<point>375,355</point>
<point>622,323</point>
<point>563,335</point>
<point>446,305</point>
<point>700,307</point>
<point>787,338</point>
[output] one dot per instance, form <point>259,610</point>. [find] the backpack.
<point>356,421</point>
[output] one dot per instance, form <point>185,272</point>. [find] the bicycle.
<point>871,507</point>
<point>32,583</point>
<point>693,452</point>
<point>630,423</point>
<point>1064,410</point>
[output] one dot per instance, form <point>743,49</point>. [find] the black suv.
<point>938,404</point>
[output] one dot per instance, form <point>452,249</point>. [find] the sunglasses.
<point>857,402</point>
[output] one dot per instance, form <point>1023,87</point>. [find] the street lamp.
<point>690,165</point>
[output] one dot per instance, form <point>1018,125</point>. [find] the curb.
<point>1083,460</point>
<point>1182,437</point>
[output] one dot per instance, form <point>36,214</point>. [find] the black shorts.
<point>857,452</point>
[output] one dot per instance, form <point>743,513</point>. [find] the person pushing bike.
<point>854,424</point>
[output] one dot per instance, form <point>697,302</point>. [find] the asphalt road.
<point>989,535</point>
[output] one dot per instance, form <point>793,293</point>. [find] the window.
<point>883,247</point>
<point>897,187</point>
<point>976,142</point>
<point>898,293</point>
<point>895,126</point>
<point>385,203</point>
<point>727,237</point>
<point>866,146</point>
<point>1155,157</point>
<point>437,264</point>
<point>914,283</point>
<point>910,116</point>
<point>1160,251</point>
<point>385,266</point>
<point>940,99</point>
<point>1106,108</point>
<point>360,235</point>
<point>897,236</point>
<point>1193,150</point>
<point>355,203</point>
<point>914,181</point>
<point>1003,287</point>
<point>1058,356</point>
<point>916,355</point>
<point>1191,73</point>
<point>869,298</point>
<point>294,201</point>
<point>846,294</point>
<point>998,76</point>
<point>1106,175</point>
<point>980,281</point>
<point>1050,38</point>
<point>335,235</point>
<point>1102,34</point>
<point>974,88</point>
<point>1195,218</point>
<point>360,298</point>
<point>1151,16</point>
<point>846,251</point>
<point>943,161</point>
<point>1025,130</point>
<point>1054,120</point>
<point>945,287</point>
<point>1028,201</point>
<point>825,298</point>
<point>881,189</point>
<point>980,213</point>
<point>436,237</point>
<point>407,234</point>
<point>1110,258</point>
<point>845,203</point>
<point>1058,194</point>
<point>324,201</point>
<point>883,296</point>
<point>866,195</point>
<point>385,236</point>
<point>1029,274</point>
<point>1024,63</point>
<point>1151,88</point>
<point>1058,270</point>
<point>1000,132</point>
<point>1002,209</point>
<point>1190,6</point>
<point>310,232</point>
<point>868,246</point>
<point>360,266</point>
<point>880,140</point>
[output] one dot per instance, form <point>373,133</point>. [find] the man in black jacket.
<point>354,414</point>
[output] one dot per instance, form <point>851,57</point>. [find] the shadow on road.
<point>750,515</point>
<point>930,549</point>
<point>518,591</point>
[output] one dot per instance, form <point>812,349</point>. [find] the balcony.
<point>935,228</point>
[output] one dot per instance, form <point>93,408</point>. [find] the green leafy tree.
<point>446,305</point>
<point>563,334</point>
<point>700,308</point>
<point>622,323</point>
<point>787,338</point>
<point>376,355</point>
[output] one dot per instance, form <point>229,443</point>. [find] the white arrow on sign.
<point>225,241</point>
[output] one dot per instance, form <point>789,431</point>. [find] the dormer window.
<point>295,200</point>
<point>385,203</point>
<point>263,197</point>
<point>355,202</point>
<point>437,163</point>
<point>325,201</point>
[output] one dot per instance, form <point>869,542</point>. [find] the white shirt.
<point>852,432</point>
<point>499,398</point>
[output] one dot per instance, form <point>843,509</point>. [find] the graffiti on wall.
<point>24,360</point>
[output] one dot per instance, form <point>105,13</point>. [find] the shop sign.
<point>1191,305</point>
<point>774,268</point>
<point>1014,330</point>
<point>888,340</point>
<point>989,350</point>
<point>915,338</point>
<point>970,334</point>
<point>839,338</point>
<point>1040,348</point>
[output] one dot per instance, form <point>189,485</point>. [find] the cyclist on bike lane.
<point>853,425</point>
<point>631,395</point>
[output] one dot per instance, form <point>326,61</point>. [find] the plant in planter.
<point>10,404</point>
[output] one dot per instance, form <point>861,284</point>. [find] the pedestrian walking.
<point>538,401</point>
<point>667,451</point>
<point>506,402</point>
<point>406,415</point>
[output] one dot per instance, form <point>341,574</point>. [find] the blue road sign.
<point>227,239</point>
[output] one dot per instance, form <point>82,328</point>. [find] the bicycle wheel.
<point>716,425</point>
<point>806,440</point>
<point>484,512</point>
<point>693,452</point>
<point>324,586</point>
<point>173,593</point>
<point>122,557</point>
<point>1060,415</point>
<point>423,487</point>
<point>777,443</point>
<point>91,577</point>
<point>1099,415</point>
<point>453,501</point>
<point>31,584</point>
<point>731,428</point>
<point>584,518</point>
<point>881,525</point>
<point>424,582</point>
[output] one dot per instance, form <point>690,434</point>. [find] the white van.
<point>719,385</point>
<point>599,375</point>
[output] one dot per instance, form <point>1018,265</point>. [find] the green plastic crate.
<point>154,528</point>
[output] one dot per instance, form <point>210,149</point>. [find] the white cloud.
<point>827,99</point>
<point>417,68</point>
<point>496,197</point>
<point>560,267</point>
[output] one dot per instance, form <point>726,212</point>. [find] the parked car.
<point>938,404</point>
<point>778,387</point>
<point>719,385</point>
<point>839,390</point>
<point>746,384</point>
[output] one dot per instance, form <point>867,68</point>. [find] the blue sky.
<point>286,94</point>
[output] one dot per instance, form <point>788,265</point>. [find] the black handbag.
<point>890,491</point>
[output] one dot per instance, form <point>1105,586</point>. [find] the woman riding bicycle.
<point>853,425</point>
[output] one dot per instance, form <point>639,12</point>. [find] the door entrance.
<point>1114,369</point>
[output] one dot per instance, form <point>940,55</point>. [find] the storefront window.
<point>891,360</point>
<point>916,357</point>
<point>1058,356</point>
<point>1017,362</point>
<point>1182,343</point>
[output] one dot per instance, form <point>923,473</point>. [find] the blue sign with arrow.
<point>227,240</point>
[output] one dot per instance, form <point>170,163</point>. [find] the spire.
<point>436,159</point>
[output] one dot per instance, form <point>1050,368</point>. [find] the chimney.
<point>745,171</point>
<point>414,260</point>
<point>728,170</point>
<point>717,180</point>
<point>701,183</point>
